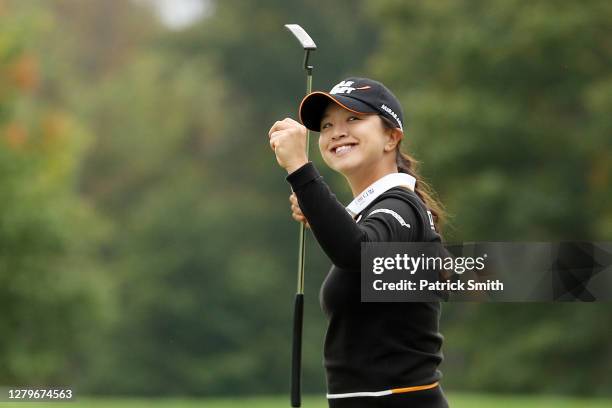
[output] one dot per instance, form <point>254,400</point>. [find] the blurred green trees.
<point>146,245</point>
<point>510,96</point>
<point>55,303</point>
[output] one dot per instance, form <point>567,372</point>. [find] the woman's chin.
<point>346,167</point>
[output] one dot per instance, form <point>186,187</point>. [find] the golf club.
<point>298,311</point>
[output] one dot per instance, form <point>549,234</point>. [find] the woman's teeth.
<point>343,149</point>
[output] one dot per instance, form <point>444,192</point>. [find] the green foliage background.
<point>146,246</point>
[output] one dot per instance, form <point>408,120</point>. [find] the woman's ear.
<point>394,136</point>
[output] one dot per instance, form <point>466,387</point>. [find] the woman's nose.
<point>338,132</point>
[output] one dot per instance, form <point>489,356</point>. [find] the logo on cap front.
<point>342,88</point>
<point>346,87</point>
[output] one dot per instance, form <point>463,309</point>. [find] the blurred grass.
<point>456,400</point>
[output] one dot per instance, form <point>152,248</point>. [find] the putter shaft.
<point>298,309</point>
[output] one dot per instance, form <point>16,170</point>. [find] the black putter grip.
<point>296,360</point>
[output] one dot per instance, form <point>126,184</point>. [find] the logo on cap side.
<point>390,112</point>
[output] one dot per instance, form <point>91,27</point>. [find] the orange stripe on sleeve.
<point>415,388</point>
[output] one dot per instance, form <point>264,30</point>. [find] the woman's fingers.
<point>301,219</point>
<point>295,207</point>
<point>284,124</point>
<point>275,138</point>
<point>288,141</point>
<point>296,211</point>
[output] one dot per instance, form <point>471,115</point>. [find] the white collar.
<point>375,189</point>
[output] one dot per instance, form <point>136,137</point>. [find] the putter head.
<point>302,36</point>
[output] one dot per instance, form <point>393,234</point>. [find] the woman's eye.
<point>325,125</point>
<point>353,117</point>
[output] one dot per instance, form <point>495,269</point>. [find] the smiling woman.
<point>357,146</point>
<point>376,354</point>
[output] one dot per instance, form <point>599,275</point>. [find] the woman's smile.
<point>343,149</point>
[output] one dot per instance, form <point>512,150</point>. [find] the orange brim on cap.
<point>313,107</point>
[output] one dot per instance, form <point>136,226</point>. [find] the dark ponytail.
<point>409,165</point>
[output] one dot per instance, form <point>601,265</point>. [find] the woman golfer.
<point>376,354</point>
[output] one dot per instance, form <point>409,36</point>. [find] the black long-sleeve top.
<point>368,346</point>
